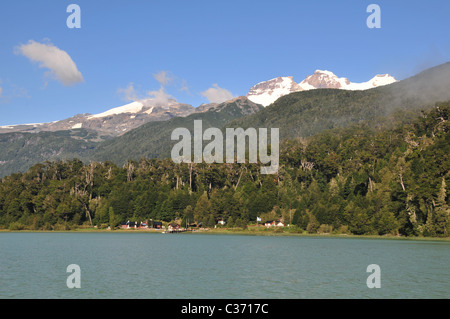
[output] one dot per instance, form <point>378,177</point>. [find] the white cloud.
<point>57,61</point>
<point>163,78</point>
<point>157,97</point>
<point>160,98</point>
<point>217,94</point>
<point>153,98</point>
<point>10,91</point>
<point>129,93</point>
<point>184,87</point>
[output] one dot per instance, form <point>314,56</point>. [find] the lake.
<point>204,266</point>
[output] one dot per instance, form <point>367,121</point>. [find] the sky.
<point>199,51</point>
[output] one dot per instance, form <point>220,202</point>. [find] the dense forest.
<point>363,179</point>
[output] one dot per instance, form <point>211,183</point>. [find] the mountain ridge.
<point>113,122</point>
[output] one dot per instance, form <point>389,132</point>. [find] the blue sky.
<point>198,45</point>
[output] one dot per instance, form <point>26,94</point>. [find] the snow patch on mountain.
<point>134,107</point>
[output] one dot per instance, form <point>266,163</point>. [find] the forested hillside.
<point>19,151</point>
<point>389,178</point>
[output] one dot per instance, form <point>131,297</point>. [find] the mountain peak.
<point>323,79</point>
<point>325,72</point>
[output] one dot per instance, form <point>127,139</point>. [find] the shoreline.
<point>321,235</point>
<point>225,231</point>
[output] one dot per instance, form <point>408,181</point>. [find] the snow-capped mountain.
<point>113,122</point>
<point>119,120</point>
<point>265,93</point>
<point>328,80</point>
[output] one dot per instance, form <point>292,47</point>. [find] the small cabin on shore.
<point>274,223</point>
<point>173,226</point>
<point>129,225</point>
<point>157,225</point>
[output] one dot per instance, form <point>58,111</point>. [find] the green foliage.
<point>114,220</point>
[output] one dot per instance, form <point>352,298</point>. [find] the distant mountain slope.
<point>19,150</point>
<point>113,122</point>
<point>153,140</point>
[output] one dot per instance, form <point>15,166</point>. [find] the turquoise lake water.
<point>187,266</point>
